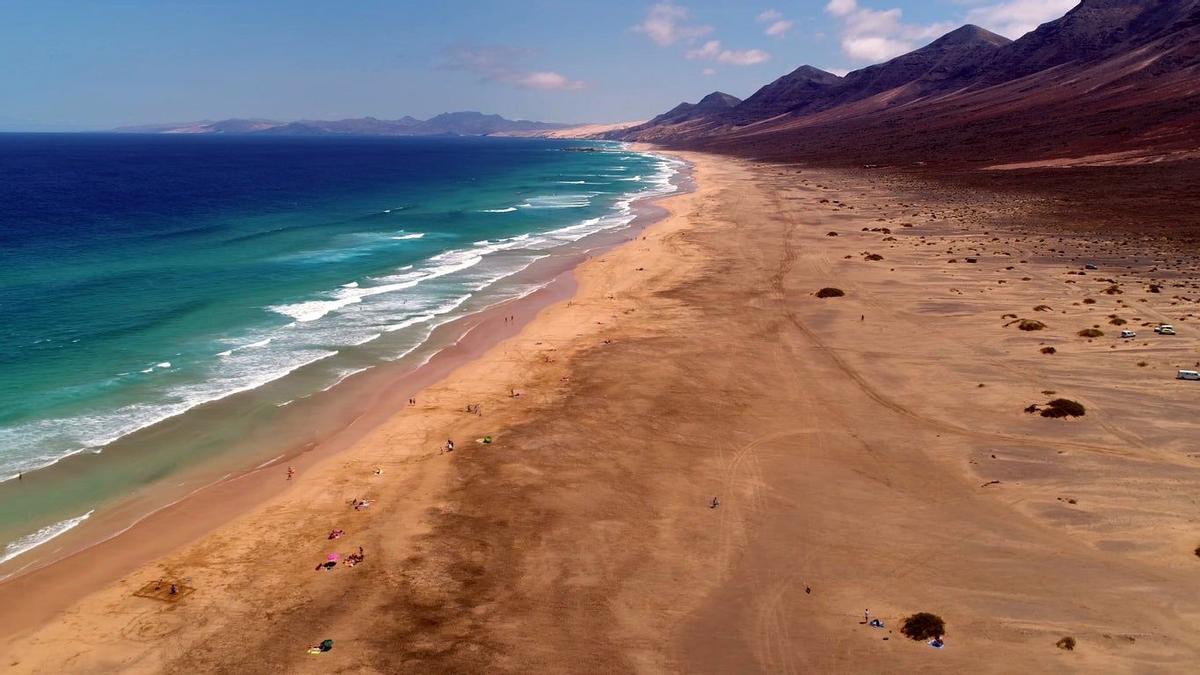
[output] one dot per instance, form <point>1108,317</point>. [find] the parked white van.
<point>1128,334</point>
<point>1188,375</point>
<point>1165,329</point>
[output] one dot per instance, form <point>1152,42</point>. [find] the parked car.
<point>1165,329</point>
<point>1188,375</point>
<point>1128,335</point>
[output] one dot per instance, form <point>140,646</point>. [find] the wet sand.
<point>869,451</point>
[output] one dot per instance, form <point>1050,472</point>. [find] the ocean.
<point>144,278</point>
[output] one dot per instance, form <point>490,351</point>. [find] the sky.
<point>98,64</point>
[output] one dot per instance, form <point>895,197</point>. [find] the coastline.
<point>367,400</point>
<point>868,451</point>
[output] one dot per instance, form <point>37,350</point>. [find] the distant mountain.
<point>1110,81</point>
<point>446,124</point>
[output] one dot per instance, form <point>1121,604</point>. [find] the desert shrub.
<point>1118,322</point>
<point>1062,407</point>
<point>831,234</point>
<point>830,293</point>
<point>874,256</point>
<point>1043,308</point>
<point>1049,350</point>
<point>1091,333</point>
<point>972,260</point>
<point>1030,324</point>
<point>1089,301</point>
<point>923,626</point>
<point>1114,290</point>
<point>1155,288</point>
<point>1142,364</point>
<point>1067,643</point>
<point>1197,551</point>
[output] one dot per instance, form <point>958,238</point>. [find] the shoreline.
<point>855,466</point>
<point>376,395</point>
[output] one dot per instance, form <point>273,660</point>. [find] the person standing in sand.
<point>291,472</point>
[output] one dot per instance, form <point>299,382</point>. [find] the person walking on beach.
<point>291,472</point>
<point>449,445</point>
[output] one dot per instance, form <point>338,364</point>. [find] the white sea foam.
<point>509,209</point>
<point>576,201</point>
<point>32,541</point>
<point>414,235</point>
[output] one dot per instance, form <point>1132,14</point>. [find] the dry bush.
<point>830,293</point>
<point>1062,407</point>
<point>1118,322</point>
<point>1030,325</point>
<point>1043,308</point>
<point>1091,333</point>
<point>923,626</point>
<point>874,256</point>
<point>1049,350</point>
<point>1089,301</point>
<point>1067,643</point>
<point>831,234</point>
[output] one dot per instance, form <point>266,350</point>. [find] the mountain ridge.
<point>1108,76</point>
<point>463,123</point>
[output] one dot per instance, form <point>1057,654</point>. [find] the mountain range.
<point>1111,81</point>
<point>446,124</point>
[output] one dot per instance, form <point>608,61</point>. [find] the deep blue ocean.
<point>142,276</point>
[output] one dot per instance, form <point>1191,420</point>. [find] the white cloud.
<point>747,57</point>
<point>708,72</point>
<point>547,80</point>
<point>878,35</point>
<point>779,26</point>
<point>708,50</point>
<point>502,65</point>
<point>712,51</point>
<point>1014,18</point>
<point>667,24</point>
<point>841,7</point>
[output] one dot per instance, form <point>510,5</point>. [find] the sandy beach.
<point>869,452</point>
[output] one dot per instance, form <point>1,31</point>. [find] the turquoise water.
<point>144,276</point>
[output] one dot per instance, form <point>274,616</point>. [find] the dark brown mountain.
<point>945,64</point>
<point>713,104</point>
<point>794,90</point>
<point>1111,81</point>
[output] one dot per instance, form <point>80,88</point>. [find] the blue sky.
<point>80,65</point>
